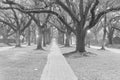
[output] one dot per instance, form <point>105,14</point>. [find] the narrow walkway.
<point>110,49</point>
<point>57,67</point>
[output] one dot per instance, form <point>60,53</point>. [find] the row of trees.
<point>73,16</point>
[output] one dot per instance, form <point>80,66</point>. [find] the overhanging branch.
<point>116,28</point>
<point>74,17</point>
<point>105,12</point>
<point>28,11</point>
<point>28,24</point>
<point>10,25</point>
<point>57,27</point>
<point>92,11</point>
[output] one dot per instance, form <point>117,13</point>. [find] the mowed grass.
<point>104,65</point>
<point>24,63</point>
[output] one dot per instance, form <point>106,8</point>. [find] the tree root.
<point>76,54</point>
<point>40,49</point>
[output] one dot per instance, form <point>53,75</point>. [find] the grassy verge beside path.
<point>103,66</point>
<point>22,63</point>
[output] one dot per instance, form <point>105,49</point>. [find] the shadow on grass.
<point>40,49</point>
<point>102,49</point>
<point>66,46</point>
<point>76,54</point>
<point>20,47</point>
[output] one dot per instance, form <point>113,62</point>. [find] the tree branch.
<point>28,11</point>
<point>57,27</point>
<point>28,24</point>
<point>92,11</point>
<point>87,8</point>
<point>81,9</point>
<point>116,28</point>
<point>10,25</point>
<point>105,12</point>
<point>74,17</point>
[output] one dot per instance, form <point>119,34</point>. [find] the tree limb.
<point>10,25</point>
<point>22,9</point>
<point>116,28</point>
<point>105,12</point>
<point>57,27</point>
<point>92,11</point>
<point>74,17</point>
<point>81,9</point>
<point>28,24</point>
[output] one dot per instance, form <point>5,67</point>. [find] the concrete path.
<point>110,49</point>
<point>57,67</point>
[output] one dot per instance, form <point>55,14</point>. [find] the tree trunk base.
<point>77,54</point>
<point>67,46</point>
<point>39,48</point>
<point>103,48</point>
<point>29,44</point>
<point>18,46</point>
<point>44,44</point>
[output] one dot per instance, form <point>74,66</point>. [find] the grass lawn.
<point>105,65</point>
<point>24,63</point>
<point>117,46</point>
<point>3,45</point>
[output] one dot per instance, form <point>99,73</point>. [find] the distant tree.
<point>5,32</point>
<point>18,22</point>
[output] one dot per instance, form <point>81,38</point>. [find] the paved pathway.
<point>57,67</point>
<point>110,49</point>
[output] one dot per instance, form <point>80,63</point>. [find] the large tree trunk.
<point>48,38</point>
<point>34,37</point>
<point>44,38</point>
<point>80,41</point>
<point>5,36</point>
<point>40,37</point>
<point>68,36</point>
<point>96,38</point>
<point>29,37</point>
<point>103,41</point>
<point>110,36</point>
<point>61,38</point>
<point>5,39</point>
<point>104,34</point>
<point>18,43</point>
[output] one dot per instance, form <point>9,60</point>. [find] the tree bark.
<point>61,38</point>
<point>103,41</point>
<point>96,38</point>
<point>80,41</point>
<point>67,41</point>
<point>110,36</point>
<point>34,37</point>
<point>48,38</point>
<point>44,38</point>
<point>39,40</point>
<point>18,43</point>
<point>105,32</point>
<point>29,37</point>
<point>5,39</point>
